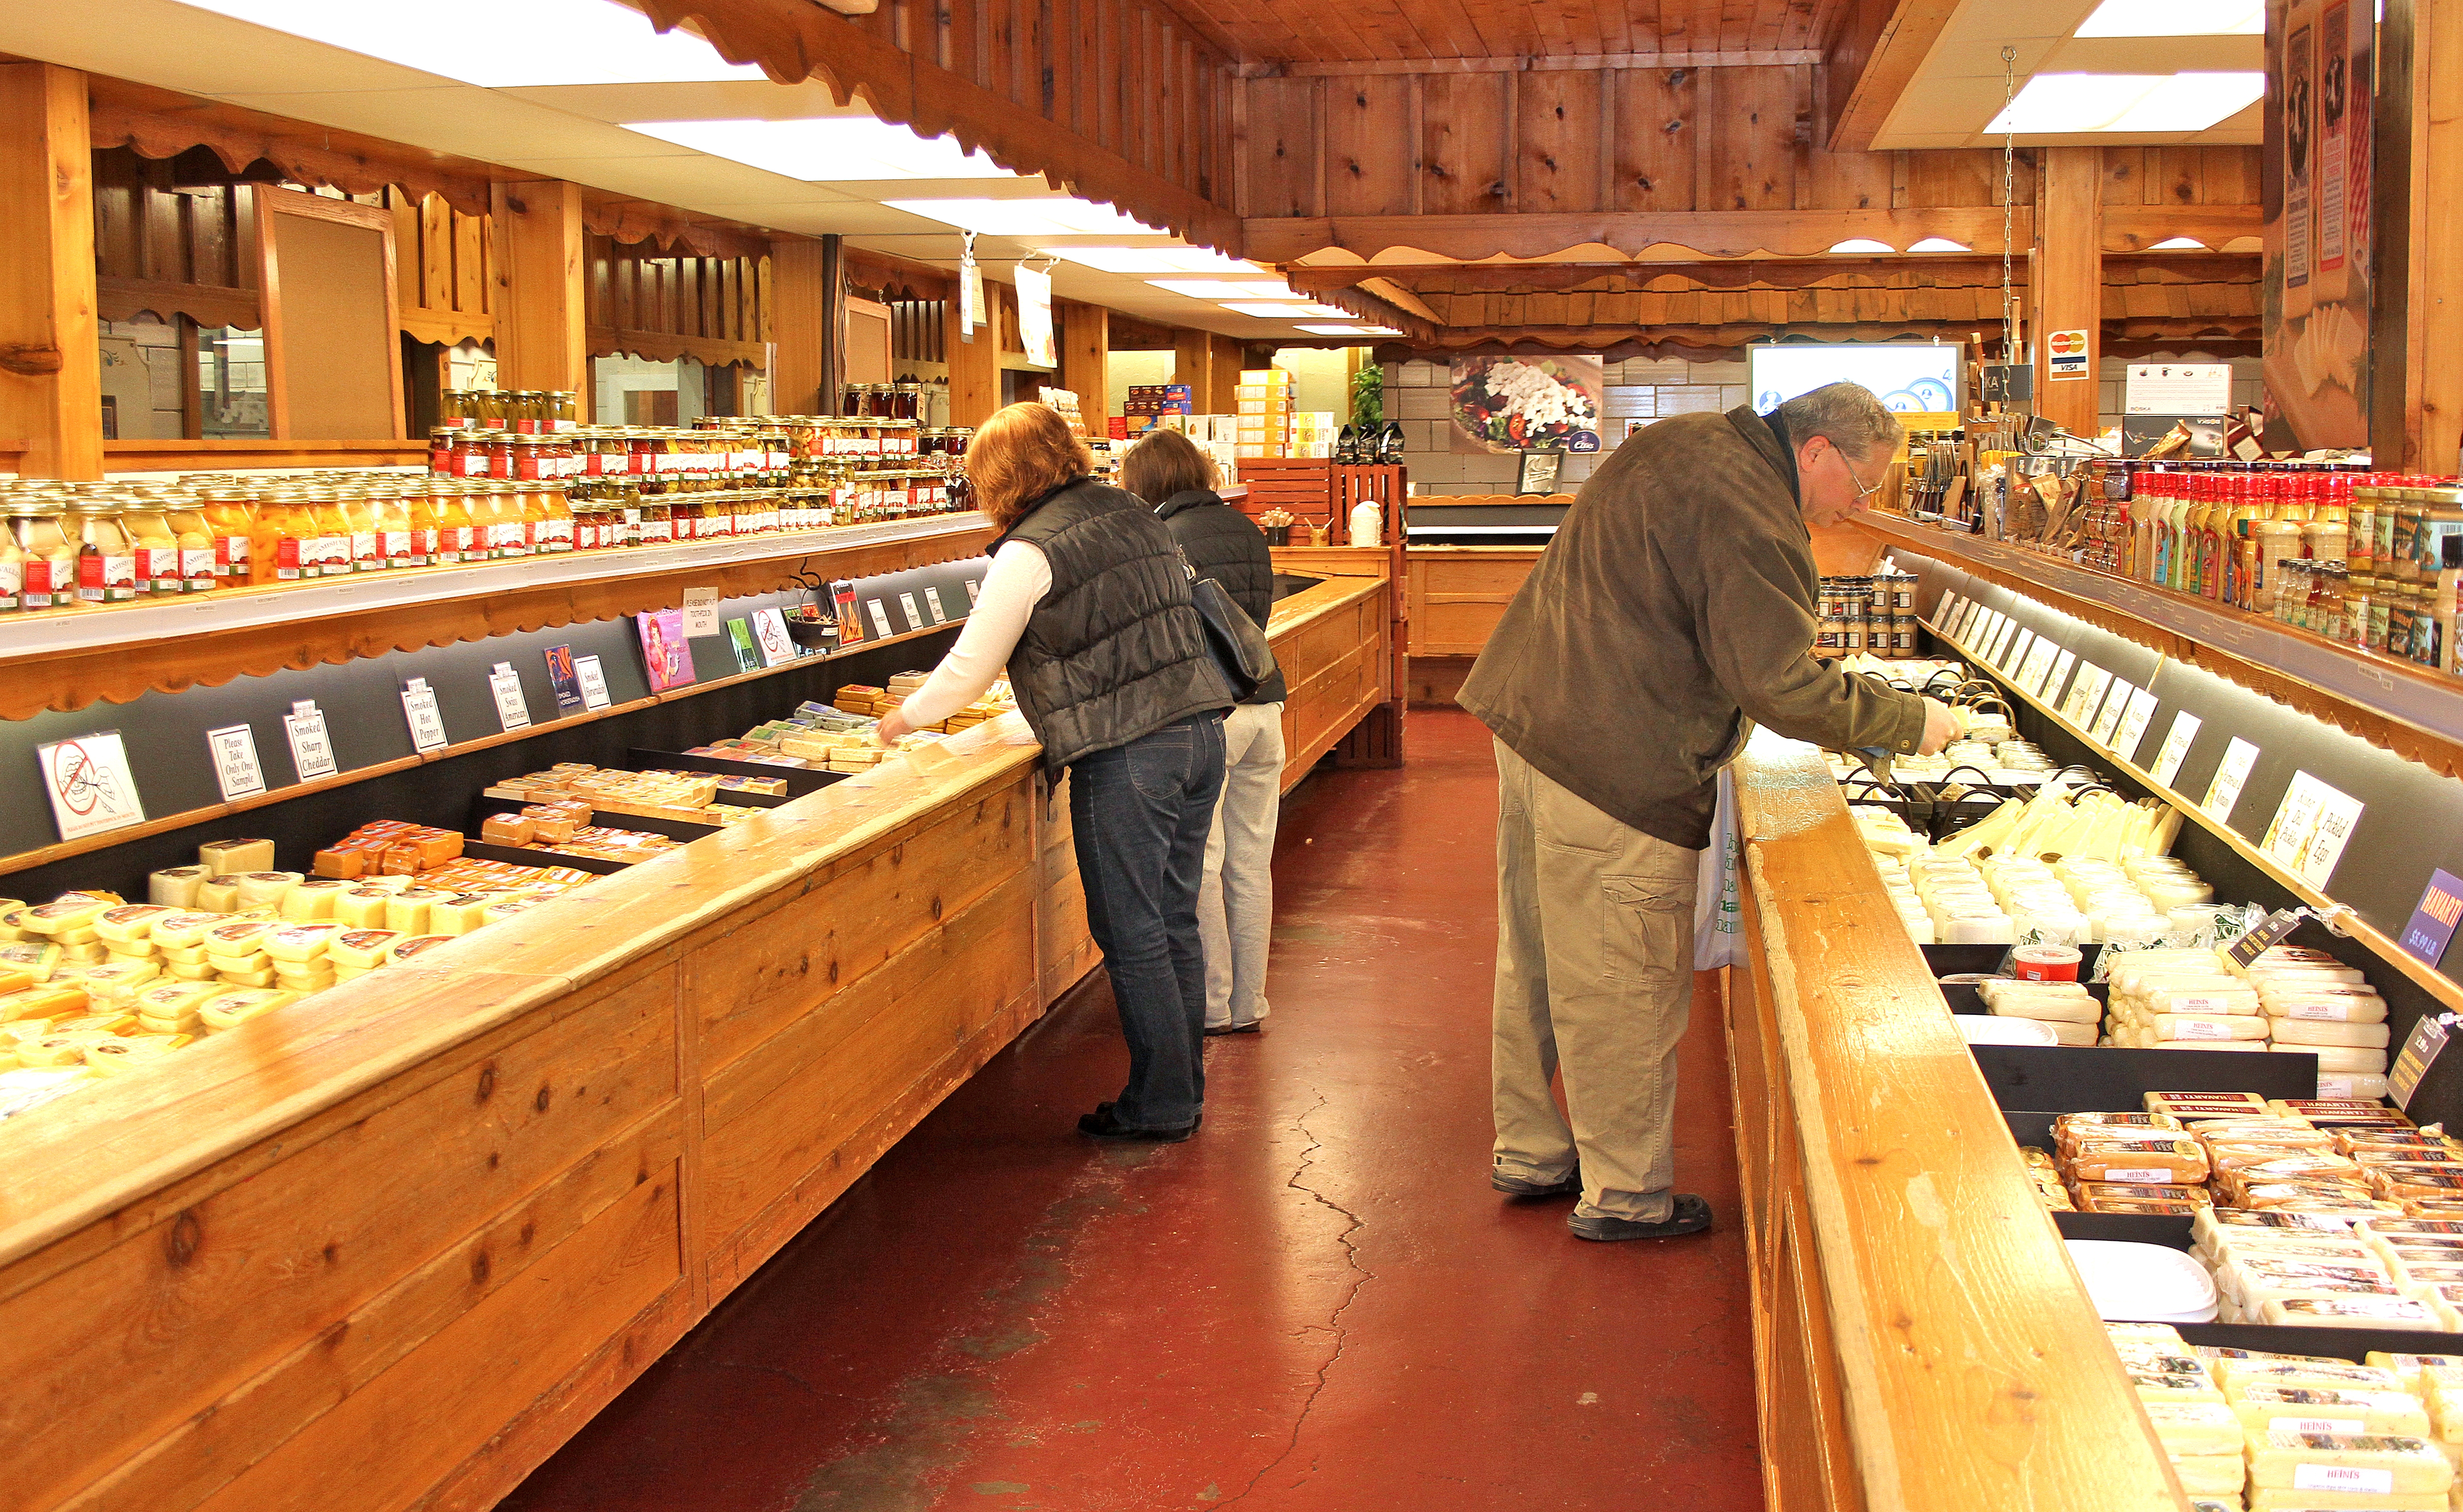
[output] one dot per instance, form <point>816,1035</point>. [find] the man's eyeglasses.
<point>1862,491</point>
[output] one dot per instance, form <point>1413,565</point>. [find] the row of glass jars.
<point>512,408</point>
<point>70,547</point>
<point>642,452</point>
<point>2410,620</point>
<point>882,401</point>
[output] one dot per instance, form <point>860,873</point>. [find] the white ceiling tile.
<point>180,47</point>
<point>458,118</point>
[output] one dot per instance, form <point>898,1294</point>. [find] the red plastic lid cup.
<point>2045,963</point>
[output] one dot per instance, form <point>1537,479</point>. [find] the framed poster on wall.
<point>332,354</point>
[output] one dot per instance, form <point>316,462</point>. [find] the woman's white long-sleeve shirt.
<point>1020,577</point>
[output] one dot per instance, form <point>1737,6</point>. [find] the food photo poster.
<point>1503,405</point>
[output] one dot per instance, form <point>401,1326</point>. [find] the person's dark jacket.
<point>1115,649</point>
<point>1225,545</point>
<point>1673,611</point>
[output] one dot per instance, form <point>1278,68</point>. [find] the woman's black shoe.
<point>1101,1125</point>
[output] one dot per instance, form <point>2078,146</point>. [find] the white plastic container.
<point>2143,1283</point>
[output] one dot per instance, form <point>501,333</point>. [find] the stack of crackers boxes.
<point>1264,401</point>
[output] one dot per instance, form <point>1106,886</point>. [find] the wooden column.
<point>2065,288</point>
<point>800,314</point>
<point>1085,358</point>
<point>1223,377</point>
<point>542,336</point>
<point>974,368</point>
<point>2416,387</point>
<point>51,353</point>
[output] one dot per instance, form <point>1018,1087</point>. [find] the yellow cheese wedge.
<point>173,999</point>
<point>244,937</point>
<point>408,912</point>
<point>66,917</point>
<point>314,899</point>
<point>230,1009</point>
<point>252,979</point>
<point>89,952</point>
<point>360,950</point>
<point>145,953</point>
<point>42,1002</point>
<point>220,895</point>
<point>2196,1427</point>
<point>300,943</point>
<point>265,890</point>
<point>179,930</point>
<point>110,1057</point>
<point>2350,1464</point>
<point>350,973</point>
<point>131,923</point>
<point>60,1049</point>
<point>459,914</point>
<point>176,886</point>
<point>361,908</point>
<point>189,971</point>
<point>224,856</point>
<point>147,1023</point>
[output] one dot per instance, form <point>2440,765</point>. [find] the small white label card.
<point>2086,694</point>
<point>2296,819</point>
<point>770,630</point>
<point>2108,718</point>
<point>427,724</point>
<point>880,617</point>
<point>974,591</point>
<point>1945,613</point>
<point>701,612</point>
<point>2015,654</point>
<point>594,682</point>
<point>2337,817</point>
<point>513,709</point>
<point>233,749</point>
<point>2002,640</point>
<point>311,748</point>
<point>914,615</point>
<point>2037,667</point>
<point>2133,723</point>
<point>2224,790</point>
<point>89,784</point>
<point>2175,748</point>
<point>932,606</point>
<point>2061,677</point>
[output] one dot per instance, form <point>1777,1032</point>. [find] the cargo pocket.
<point>1649,930</point>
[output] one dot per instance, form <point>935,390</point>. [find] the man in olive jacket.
<point>1673,611</point>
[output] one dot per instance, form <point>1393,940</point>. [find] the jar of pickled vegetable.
<point>552,528</point>
<point>38,564</point>
<point>106,566</point>
<point>156,546</point>
<point>419,526</point>
<point>457,531</point>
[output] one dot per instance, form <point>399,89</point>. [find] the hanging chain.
<point>2009,202</point>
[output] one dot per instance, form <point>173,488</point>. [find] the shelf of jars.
<point>2394,701</point>
<point>124,587</point>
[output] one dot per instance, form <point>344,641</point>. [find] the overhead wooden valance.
<point>636,221</point>
<point>156,124</point>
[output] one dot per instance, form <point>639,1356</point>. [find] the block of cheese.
<point>2196,1427</point>
<point>2242,1376</point>
<point>2354,1464</point>
<point>506,829</point>
<point>361,908</point>
<point>2211,1474</point>
<point>219,895</point>
<point>68,920</point>
<point>39,959</point>
<point>183,931</point>
<point>2173,1386</point>
<point>230,1010</point>
<point>2208,1026</point>
<point>2323,1410</point>
<point>2337,1059</point>
<point>173,1000</point>
<point>2343,1501</point>
<point>199,970</point>
<point>2348,1312</point>
<point>261,978</point>
<point>222,857</point>
<point>48,1002</point>
<point>118,983</point>
<point>458,914</point>
<point>15,979</point>
<point>300,943</point>
<point>360,950</point>
<point>110,1057</point>
<point>2327,1032</point>
<point>175,886</point>
<point>2198,998</point>
<point>131,923</point>
<point>238,936</point>
<point>406,911</point>
<point>264,890</point>
<point>2329,1007</point>
<point>313,900</point>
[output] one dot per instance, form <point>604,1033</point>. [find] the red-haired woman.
<point>1087,604</point>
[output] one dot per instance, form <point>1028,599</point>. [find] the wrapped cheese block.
<point>2207,1044</point>
<point>176,886</point>
<point>361,950</point>
<point>2329,1007</point>
<point>2042,1000</point>
<point>48,1002</point>
<point>230,1009</point>
<point>2335,1058</point>
<point>2348,1312</point>
<point>313,900</point>
<point>118,983</point>
<point>2343,1501</point>
<point>2173,1386</point>
<point>67,920</point>
<point>2367,1464</point>
<point>2175,1163</point>
<point>2317,1032</point>
<point>2210,1475</point>
<point>131,923</point>
<point>2326,1410</point>
<point>39,959</point>
<point>110,1057</point>
<point>219,895</point>
<point>222,857</point>
<point>362,909</point>
<point>2196,1427</point>
<point>459,914</point>
<point>264,890</point>
<point>2203,1026</point>
<point>407,910</point>
<point>257,977</point>
<point>300,943</point>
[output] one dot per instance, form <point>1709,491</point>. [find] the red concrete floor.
<point>1316,1305</point>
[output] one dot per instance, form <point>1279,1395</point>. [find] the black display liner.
<point>482,850</point>
<point>2072,1078</point>
<point>483,807</point>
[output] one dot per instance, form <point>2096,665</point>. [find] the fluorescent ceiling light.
<point>1350,330</point>
<point>827,148</point>
<point>1863,244</point>
<point>1054,217</point>
<point>1940,244</point>
<point>1221,290</point>
<point>1153,259</point>
<point>2177,19</point>
<point>1290,312</point>
<point>2178,244</point>
<point>501,46</point>
<point>2067,103</point>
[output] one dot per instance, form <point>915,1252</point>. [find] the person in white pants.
<point>1235,903</point>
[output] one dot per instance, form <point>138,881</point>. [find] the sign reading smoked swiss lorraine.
<point>2068,353</point>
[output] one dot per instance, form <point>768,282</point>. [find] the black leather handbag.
<point>1238,645</point>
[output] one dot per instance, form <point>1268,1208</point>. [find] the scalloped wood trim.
<point>1710,233</point>
<point>160,135</point>
<point>119,674</point>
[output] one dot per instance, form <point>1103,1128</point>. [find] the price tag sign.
<point>2107,720</point>
<point>2086,694</point>
<point>427,725</point>
<point>932,604</point>
<point>880,617</point>
<point>2419,1053</point>
<point>2295,819</point>
<point>2134,720</point>
<point>701,612</point>
<point>2015,655</point>
<point>2432,923</point>
<point>594,682</point>
<point>974,591</point>
<point>311,748</point>
<point>2337,817</point>
<point>914,615</point>
<point>2177,747</point>
<point>2038,668</point>
<point>1945,613</point>
<point>513,709</point>
<point>2061,677</point>
<point>233,749</point>
<point>2225,790</point>
<point>2003,640</point>
<point>89,784</point>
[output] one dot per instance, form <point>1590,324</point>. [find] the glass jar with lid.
<point>44,557</point>
<point>106,568</point>
<point>456,531</point>
<point>552,532</point>
<point>156,546</point>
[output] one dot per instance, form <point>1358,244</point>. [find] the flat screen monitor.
<point>1912,378</point>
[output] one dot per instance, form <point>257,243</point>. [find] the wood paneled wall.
<point>173,236</point>
<point>660,307</point>
<point>444,269</point>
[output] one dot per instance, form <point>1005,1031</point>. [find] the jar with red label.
<point>106,566</point>
<point>38,570</point>
<point>551,528</point>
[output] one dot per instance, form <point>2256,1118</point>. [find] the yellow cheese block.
<point>190,971</point>
<point>131,923</point>
<point>113,1056</point>
<point>314,899</point>
<point>2348,1312</point>
<point>265,890</point>
<point>147,1023</point>
<point>2196,1427</point>
<point>408,912</point>
<point>220,895</point>
<point>459,914</point>
<point>145,953</point>
<point>63,920</point>
<point>89,952</point>
<point>60,1049</point>
<point>241,937</point>
<point>177,887</point>
<point>189,954</point>
<point>264,976</point>
<point>2161,1386</point>
<point>2342,1502</point>
<point>178,930</point>
<point>2242,1375</point>
<point>38,959</point>
<point>173,999</point>
<point>15,979</point>
<point>361,950</point>
<point>2348,1464</point>
<point>50,1001</point>
<point>224,856</point>
<point>2211,1474</point>
<point>2323,1410</point>
<point>231,1009</point>
<point>362,909</point>
<point>384,884</point>
<point>300,943</point>
<point>118,983</point>
<point>350,973</point>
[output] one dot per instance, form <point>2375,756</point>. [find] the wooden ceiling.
<point>1303,32</point>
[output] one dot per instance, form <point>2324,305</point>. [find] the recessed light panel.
<point>500,46</point>
<point>2067,103</point>
<point>828,148</point>
<point>1350,330</point>
<point>1290,312</point>
<point>1053,217</point>
<point>2177,19</point>
<point>1221,290</point>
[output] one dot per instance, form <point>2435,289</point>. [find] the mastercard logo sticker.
<point>2067,343</point>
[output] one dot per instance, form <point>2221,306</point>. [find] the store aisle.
<point>1316,1305</point>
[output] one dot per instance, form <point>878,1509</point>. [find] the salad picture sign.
<point>1507,404</point>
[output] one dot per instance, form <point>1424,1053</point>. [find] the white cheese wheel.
<point>177,887</point>
<point>2315,1032</point>
<point>2340,1060</point>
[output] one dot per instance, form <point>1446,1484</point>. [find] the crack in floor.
<point>1360,1276</point>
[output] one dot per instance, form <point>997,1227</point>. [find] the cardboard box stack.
<point>1264,401</point>
<point>1148,402</point>
<point>1313,433</point>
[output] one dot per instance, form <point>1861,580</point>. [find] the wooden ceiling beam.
<point>1879,49</point>
<point>1714,233</point>
<point>2128,229</point>
<point>1528,63</point>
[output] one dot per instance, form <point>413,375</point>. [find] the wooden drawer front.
<point>759,973</point>
<point>370,1240</point>
<point>776,1124</point>
<point>1455,604</point>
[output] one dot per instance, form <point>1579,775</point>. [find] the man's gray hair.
<point>1849,415</point>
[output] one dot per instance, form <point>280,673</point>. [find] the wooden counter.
<point>1457,594</point>
<point>1920,1339</point>
<point>391,1247</point>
